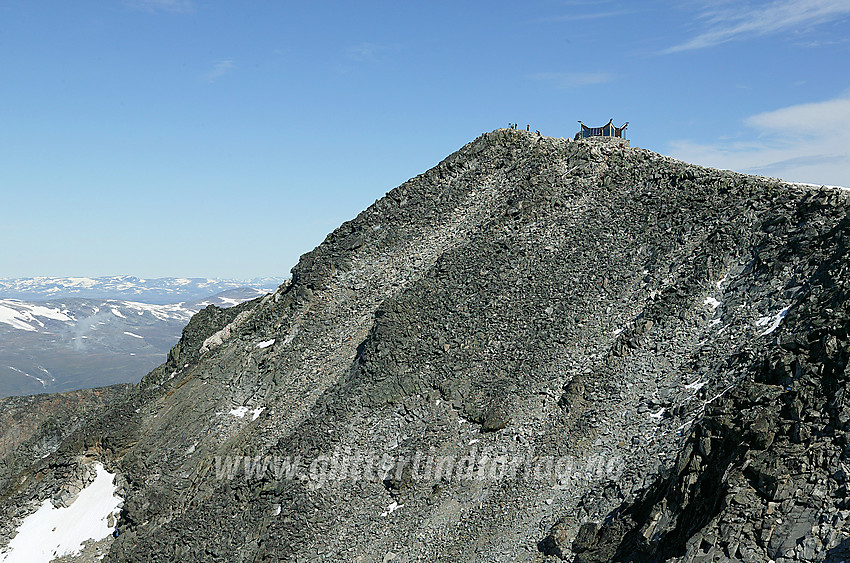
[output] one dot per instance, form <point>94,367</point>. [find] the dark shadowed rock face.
<point>34,426</point>
<point>612,354</point>
<point>764,474</point>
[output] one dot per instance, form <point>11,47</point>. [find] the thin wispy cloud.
<point>595,3</point>
<point>802,143</point>
<point>822,43</point>
<point>806,119</point>
<point>171,6</point>
<point>569,80</point>
<point>367,52</point>
<point>362,52</point>
<point>219,69</point>
<point>357,57</point>
<point>583,17</point>
<point>755,19</point>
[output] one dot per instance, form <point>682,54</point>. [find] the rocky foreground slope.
<point>537,350</point>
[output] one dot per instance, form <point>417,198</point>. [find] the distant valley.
<point>75,340</point>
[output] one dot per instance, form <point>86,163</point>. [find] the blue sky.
<point>191,138</point>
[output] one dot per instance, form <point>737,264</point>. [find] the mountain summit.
<point>539,349</point>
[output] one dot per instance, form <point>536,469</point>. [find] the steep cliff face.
<point>34,426</point>
<point>764,474</point>
<point>536,349</point>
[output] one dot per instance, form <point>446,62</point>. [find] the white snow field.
<point>53,532</point>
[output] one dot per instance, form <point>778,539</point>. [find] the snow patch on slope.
<point>53,532</point>
<point>22,315</point>
<point>772,321</point>
<point>240,412</point>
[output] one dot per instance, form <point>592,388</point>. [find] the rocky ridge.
<point>33,427</point>
<point>675,336</point>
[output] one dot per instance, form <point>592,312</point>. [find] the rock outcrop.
<point>538,349</point>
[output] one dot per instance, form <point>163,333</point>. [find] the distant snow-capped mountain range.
<point>56,316</point>
<point>144,290</point>
<point>99,331</point>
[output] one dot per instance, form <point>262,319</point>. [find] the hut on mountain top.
<point>608,130</point>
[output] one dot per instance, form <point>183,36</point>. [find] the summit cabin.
<point>606,132</point>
